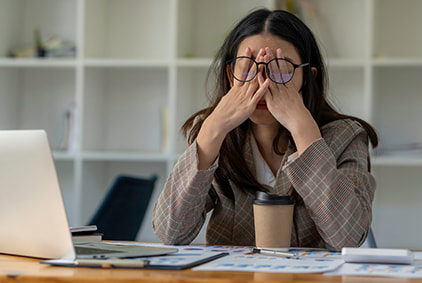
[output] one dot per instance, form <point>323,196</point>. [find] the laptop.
<point>32,213</point>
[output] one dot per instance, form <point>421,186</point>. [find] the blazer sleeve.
<point>333,179</point>
<point>180,211</point>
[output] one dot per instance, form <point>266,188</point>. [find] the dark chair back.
<point>120,215</point>
<point>371,239</point>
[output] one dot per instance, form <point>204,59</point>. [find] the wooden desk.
<point>21,269</point>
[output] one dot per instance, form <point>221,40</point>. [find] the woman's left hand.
<point>285,103</point>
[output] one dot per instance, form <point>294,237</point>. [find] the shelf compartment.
<point>397,204</point>
<point>397,103</point>
<point>98,176</point>
<point>66,176</point>
<point>347,90</point>
<point>203,25</point>
<point>192,96</point>
<point>340,26</point>
<point>37,98</point>
<point>397,32</point>
<point>19,19</point>
<point>122,109</point>
<point>127,29</point>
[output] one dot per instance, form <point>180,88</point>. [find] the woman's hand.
<point>285,103</point>
<point>241,100</point>
<point>232,110</point>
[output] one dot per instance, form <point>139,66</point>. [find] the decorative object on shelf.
<point>40,50</point>
<point>67,142</point>
<point>53,47</point>
<point>56,46</point>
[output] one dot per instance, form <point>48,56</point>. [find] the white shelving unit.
<point>138,58</point>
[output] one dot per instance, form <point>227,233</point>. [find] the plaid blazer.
<point>331,181</point>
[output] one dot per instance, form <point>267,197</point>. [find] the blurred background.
<point>112,81</point>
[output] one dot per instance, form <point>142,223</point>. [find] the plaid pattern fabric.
<point>330,182</point>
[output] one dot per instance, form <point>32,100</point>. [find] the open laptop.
<point>32,214</point>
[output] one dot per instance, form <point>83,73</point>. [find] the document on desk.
<point>240,258</point>
<point>190,255</point>
<point>187,256</point>
<point>388,270</point>
<point>307,261</point>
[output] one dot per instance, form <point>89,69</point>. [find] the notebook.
<point>32,213</point>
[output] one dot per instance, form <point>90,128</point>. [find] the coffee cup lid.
<point>272,199</point>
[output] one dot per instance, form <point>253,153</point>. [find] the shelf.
<point>194,62</point>
<point>126,63</point>
<point>394,62</point>
<point>124,156</point>
<point>38,63</point>
<point>138,57</point>
<point>63,155</point>
<point>397,161</point>
<point>346,62</point>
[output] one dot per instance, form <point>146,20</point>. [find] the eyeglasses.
<point>279,70</point>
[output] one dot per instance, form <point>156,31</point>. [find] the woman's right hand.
<point>232,110</point>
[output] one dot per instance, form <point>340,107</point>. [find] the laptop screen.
<point>32,212</point>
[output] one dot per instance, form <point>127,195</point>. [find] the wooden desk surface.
<point>21,269</point>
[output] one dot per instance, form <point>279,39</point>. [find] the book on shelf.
<point>164,129</point>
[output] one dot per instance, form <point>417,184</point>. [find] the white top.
<point>264,175</point>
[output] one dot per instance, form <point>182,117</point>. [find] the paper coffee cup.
<point>273,218</point>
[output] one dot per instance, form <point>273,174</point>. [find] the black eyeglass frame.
<point>295,66</point>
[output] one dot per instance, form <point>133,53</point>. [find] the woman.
<point>270,128</point>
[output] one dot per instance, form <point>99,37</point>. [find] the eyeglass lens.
<point>278,70</point>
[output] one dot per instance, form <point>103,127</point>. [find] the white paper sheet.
<point>386,270</point>
<point>404,271</point>
<point>308,262</point>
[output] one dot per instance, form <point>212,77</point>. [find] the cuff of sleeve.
<point>195,158</point>
<point>292,157</point>
<point>316,158</point>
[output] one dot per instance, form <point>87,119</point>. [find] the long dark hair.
<point>285,25</point>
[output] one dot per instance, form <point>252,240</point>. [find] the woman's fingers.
<point>263,85</point>
<point>241,69</point>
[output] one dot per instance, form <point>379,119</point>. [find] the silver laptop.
<point>32,214</point>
